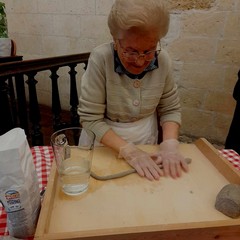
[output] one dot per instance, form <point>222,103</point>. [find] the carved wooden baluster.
<point>56,105</point>
<point>12,98</point>
<point>6,120</point>
<point>21,103</point>
<point>73,96</point>
<point>34,112</point>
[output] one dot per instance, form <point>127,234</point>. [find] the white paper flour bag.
<point>19,189</point>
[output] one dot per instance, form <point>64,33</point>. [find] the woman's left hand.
<point>173,163</point>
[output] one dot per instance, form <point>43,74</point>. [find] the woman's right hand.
<point>141,162</point>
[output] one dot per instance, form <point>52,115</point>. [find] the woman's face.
<point>133,43</point>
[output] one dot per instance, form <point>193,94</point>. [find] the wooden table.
<point>134,208</point>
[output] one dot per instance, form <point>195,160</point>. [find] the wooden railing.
<point>19,111</point>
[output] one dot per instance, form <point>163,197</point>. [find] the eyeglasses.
<point>133,56</point>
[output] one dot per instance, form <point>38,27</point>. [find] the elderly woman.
<point>128,86</point>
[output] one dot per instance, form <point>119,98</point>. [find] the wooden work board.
<point>134,208</point>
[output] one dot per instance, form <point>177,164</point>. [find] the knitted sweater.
<point>107,94</point>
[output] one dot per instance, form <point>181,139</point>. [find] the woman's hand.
<point>173,163</point>
<point>141,162</point>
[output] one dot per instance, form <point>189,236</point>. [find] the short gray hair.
<point>140,14</point>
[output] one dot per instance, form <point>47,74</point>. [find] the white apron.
<point>144,131</point>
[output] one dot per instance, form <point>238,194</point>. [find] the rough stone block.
<point>196,122</point>
<point>228,200</point>
<point>53,6</point>
<point>192,98</point>
<point>192,49</point>
<point>98,23</point>
<point>66,25</point>
<point>82,7</point>
<point>231,78</point>
<point>228,52</point>
<point>103,6</point>
<point>221,126</point>
<point>220,102</point>
<point>232,28</point>
<point>203,76</point>
<point>203,24</point>
<point>189,4</point>
<point>223,5</point>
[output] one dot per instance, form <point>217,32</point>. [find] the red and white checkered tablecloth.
<point>232,157</point>
<point>43,157</point>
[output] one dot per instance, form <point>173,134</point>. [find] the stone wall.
<point>204,44</point>
<point>203,41</point>
<point>190,4</point>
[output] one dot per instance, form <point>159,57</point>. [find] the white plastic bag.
<point>19,189</point>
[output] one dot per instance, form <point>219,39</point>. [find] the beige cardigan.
<point>107,94</point>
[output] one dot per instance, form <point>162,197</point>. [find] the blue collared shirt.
<point>120,69</point>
